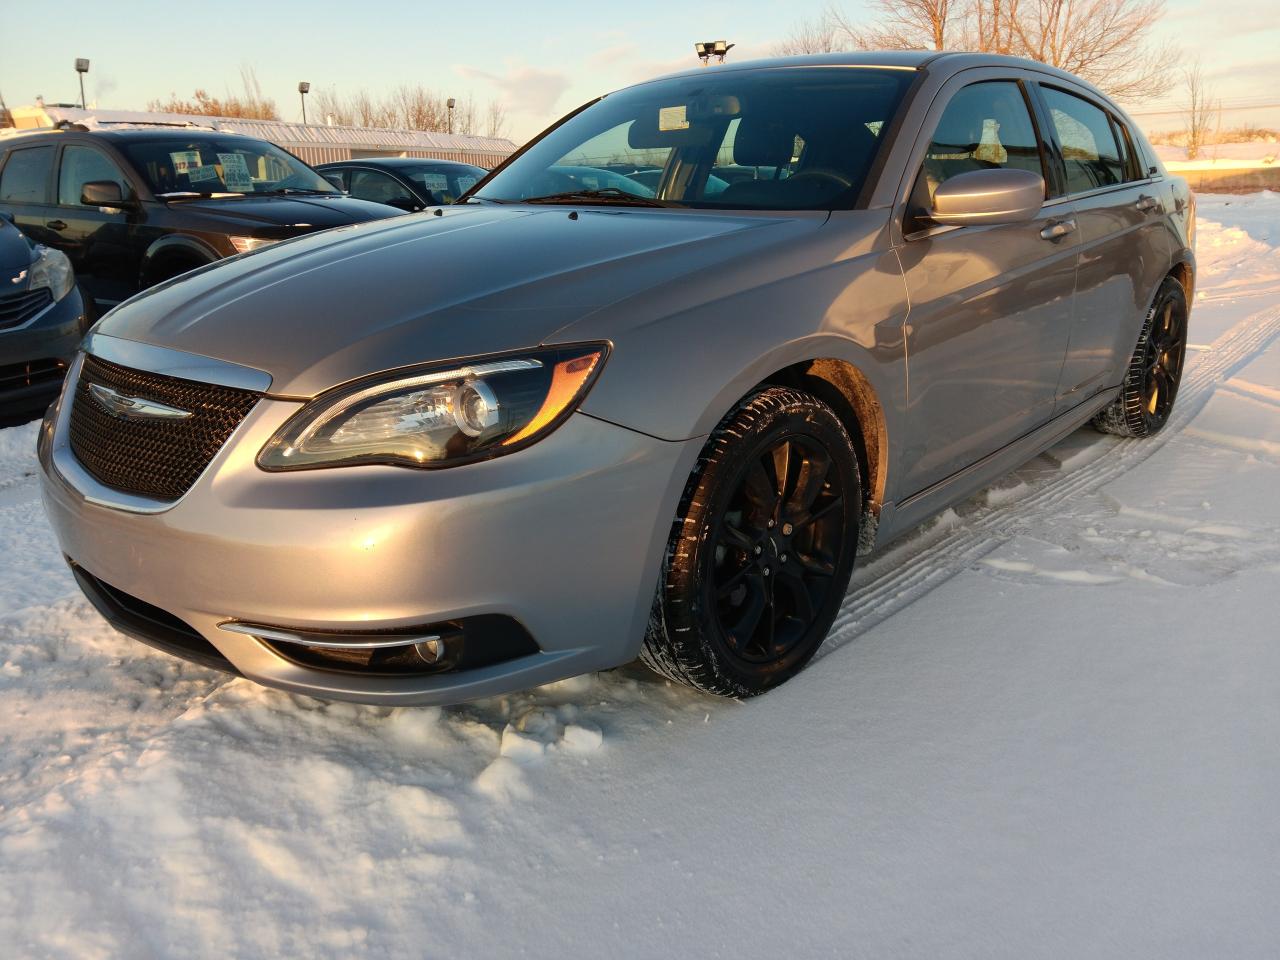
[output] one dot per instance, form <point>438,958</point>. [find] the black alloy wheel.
<point>761,550</point>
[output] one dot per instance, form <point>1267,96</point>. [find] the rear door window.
<point>25,178</point>
<point>1089,148</point>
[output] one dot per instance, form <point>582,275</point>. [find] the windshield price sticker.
<point>201,174</point>
<point>184,161</point>
<point>436,182</point>
<point>466,183</point>
<point>235,172</point>
<point>673,118</point>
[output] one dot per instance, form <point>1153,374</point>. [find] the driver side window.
<point>81,165</point>
<point>986,126</point>
<point>377,187</point>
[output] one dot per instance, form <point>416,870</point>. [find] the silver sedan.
<point>564,423</point>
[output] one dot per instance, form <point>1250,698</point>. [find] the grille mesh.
<point>152,458</point>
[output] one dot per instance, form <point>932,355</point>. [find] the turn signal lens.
<point>438,417</point>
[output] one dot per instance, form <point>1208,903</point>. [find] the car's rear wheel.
<point>1155,369</point>
<point>761,550</point>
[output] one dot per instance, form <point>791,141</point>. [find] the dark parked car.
<point>405,183</point>
<point>131,207</point>
<point>41,321</point>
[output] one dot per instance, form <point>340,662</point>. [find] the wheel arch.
<point>846,389</point>
<point>1184,272</point>
<point>174,248</point>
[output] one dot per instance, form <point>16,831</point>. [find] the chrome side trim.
<point>333,641</point>
<point>176,363</point>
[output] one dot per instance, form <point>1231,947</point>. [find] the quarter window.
<point>25,178</point>
<point>81,165</point>
<point>1089,148</point>
<point>986,126</point>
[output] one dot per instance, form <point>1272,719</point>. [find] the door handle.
<point>1058,229</point>
<point>1147,204</point>
<point>56,225</point>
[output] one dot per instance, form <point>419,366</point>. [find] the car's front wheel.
<point>761,550</point>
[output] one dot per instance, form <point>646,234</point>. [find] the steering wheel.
<point>824,173</point>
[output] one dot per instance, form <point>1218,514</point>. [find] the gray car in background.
<point>546,431</point>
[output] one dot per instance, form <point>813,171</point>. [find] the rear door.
<point>26,191</point>
<point>1124,248</point>
<point>990,305</point>
<point>99,240</point>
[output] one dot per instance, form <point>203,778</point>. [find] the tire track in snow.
<point>930,560</point>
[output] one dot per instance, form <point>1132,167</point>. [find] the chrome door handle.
<point>1058,229</point>
<point>1146,203</point>
<point>56,225</point>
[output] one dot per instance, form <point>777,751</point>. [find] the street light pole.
<point>82,67</point>
<point>303,89</point>
<point>712,48</point>
<point>451,103</point>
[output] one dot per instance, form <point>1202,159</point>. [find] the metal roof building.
<point>312,142</point>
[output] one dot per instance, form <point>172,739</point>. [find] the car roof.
<point>166,132</point>
<point>393,162</point>
<point>945,62</point>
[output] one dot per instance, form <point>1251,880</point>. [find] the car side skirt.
<point>899,518</point>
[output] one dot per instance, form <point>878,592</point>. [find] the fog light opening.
<point>430,651</point>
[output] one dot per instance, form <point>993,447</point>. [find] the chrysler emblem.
<point>135,408</point>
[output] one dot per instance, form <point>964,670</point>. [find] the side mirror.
<point>103,193</point>
<point>988,196</point>
<point>335,179</point>
<point>407,204</point>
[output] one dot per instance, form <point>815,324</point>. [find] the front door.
<point>990,306</point>
<point>97,239</point>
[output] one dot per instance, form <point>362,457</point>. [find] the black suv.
<point>131,207</point>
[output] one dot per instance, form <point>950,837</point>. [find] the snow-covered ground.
<point>1048,724</point>
<point>1221,156</point>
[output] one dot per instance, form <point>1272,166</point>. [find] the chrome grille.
<point>158,458</point>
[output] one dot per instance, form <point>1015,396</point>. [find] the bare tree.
<point>822,34</point>
<point>1200,113</point>
<point>251,105</point>
<point>1107,42</point>
<point>6,118</point>
<point>496,119</point>
<point>900,25</point>
<point>408,107</point>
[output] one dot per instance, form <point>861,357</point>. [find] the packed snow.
<point>1046,725</point>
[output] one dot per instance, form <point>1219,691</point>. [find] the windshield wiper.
<point>602,195</point>
<point>474,197</point>
<point>298,190</point>
<point>194,195</point>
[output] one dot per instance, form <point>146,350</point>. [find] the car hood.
<point>314,213</point>
<point>322,309</point>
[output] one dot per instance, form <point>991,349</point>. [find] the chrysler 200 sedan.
<point>547,431</point>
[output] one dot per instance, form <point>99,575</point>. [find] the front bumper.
<point>565,537</point>
<point>34,357</point>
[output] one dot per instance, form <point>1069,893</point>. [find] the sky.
<point>541,59</point>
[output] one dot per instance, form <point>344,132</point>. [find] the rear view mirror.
<point>102,193</point>
<point>988,196</point>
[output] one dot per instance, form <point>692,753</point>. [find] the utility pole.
<point>303,89</point>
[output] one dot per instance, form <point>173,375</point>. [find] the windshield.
<point>771,139</point>
<point>445,182</point>
<point>211,164</point>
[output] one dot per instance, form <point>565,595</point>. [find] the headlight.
<point>245,244</point>
<point>52,269</point>
<point>441,416</point>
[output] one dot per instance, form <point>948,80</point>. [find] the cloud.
<point>524,89</point>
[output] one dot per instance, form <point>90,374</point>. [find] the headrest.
<point>763,143</point>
